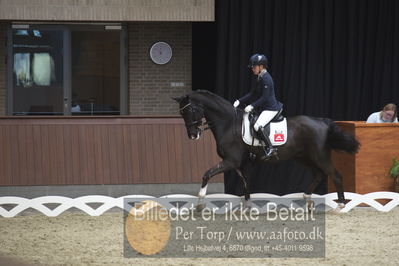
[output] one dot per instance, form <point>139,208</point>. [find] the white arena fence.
<point>106,203</point>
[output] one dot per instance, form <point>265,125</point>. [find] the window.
<point>67,70</point>
<point>38,72</point>
<point>95,72</point>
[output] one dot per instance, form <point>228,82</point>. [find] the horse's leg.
<point>246,187</point>
<point>317,174</point>
<point>329,170</point>
<point>337,179</point>
<point>321,162</point>
<point>317,178</point>
<point>219,168</point>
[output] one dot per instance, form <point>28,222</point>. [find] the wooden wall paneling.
<point>31,154</point>
<point>83,155</point>
<point>85,163</point>
<point>2,160</point>
<point>156,151</point>
<point>51,163</point>
<point>164,153</point>
<point>59,151</point>
<point>38,154</point>
<point>12,155</point>
<point>367,171</point>
<point>68,153</point>
<point>112,150</point>
<point>8,178</point>
<point>170,146</point>
<point>134,163</point>
<point>98,158</point>
<point>59,154</point>
<point>180,164</point>
<point>62,167</point>
<point>105,150</point>
<point>21,139</point>
<point>127,154</point>
<point>375,158</point>
<point>45,163</point>
<point>142,153</point>
<point>91,154</point>
<point>149,158</point>
<point>12,138</point>
<point>105,154</point>
<point>13,148</point>
<point>76,154</point>
<point>5,173</point>
<point>122,177</point>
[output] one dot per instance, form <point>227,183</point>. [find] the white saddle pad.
<point>277,136</point>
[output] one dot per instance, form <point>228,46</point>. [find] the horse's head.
<point>192,115</point>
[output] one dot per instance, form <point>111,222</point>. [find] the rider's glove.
<point>236,103</point>
<point>249,108</point>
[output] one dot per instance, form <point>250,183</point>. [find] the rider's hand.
<point>236,103</point>
<point>249,108</point>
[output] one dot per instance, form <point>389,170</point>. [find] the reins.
<point>197,123</point>
<point>208,124</point>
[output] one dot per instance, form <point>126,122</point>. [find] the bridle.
<point>198,123</point>
<point>208,124</point>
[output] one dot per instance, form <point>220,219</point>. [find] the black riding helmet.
<point>257,60</point>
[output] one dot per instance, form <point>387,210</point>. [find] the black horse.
<point>310,141</point>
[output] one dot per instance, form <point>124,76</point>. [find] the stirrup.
<point>270,152</point>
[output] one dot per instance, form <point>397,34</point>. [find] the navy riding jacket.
<point>262,96</point>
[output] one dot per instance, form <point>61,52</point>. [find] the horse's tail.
<point>340,140</point>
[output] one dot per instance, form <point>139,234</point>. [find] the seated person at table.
<point>389,114</point>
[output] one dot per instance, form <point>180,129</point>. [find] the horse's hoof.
<point>200,207</point>
<point>307,196</point>
<point>338,209</point>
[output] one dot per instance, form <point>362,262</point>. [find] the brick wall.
<point>108,10</point>
<point>151,86</point>
<point>3,52</point>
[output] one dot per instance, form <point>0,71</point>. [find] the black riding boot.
<point>270,150</point>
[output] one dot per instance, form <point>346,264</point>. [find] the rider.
<point>261,98</point>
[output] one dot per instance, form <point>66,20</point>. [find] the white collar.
<point>262,73</point>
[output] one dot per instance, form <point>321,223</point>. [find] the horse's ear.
<point>179,99</point>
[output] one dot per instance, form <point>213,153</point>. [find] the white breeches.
<point>264,118</point>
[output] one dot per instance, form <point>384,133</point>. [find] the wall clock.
<point>160,53</point>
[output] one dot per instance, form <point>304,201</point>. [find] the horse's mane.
<point>212,97</point>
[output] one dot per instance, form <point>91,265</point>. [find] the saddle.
<point>276,130</point>
<point>266,130</point>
